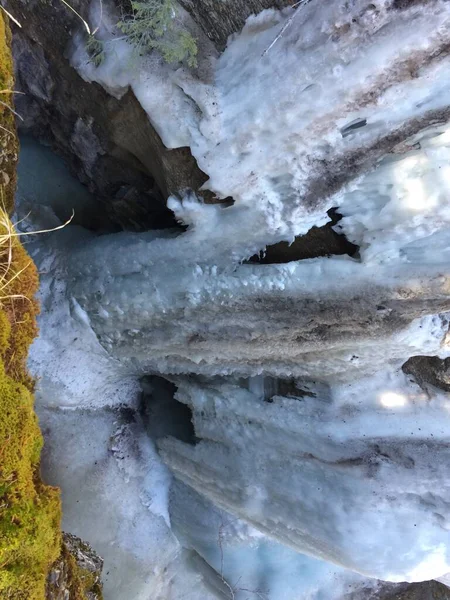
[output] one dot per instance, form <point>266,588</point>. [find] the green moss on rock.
<point>77,570</point>
<point>30,512</point>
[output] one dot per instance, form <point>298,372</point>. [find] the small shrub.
<point>96,50</point>
<point>152,26</point>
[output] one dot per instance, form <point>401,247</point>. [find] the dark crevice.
<point>353,126</point>
<point>319,241</point>
<point>404,4</point>
<point>162,414</point>
<point>138,206</point>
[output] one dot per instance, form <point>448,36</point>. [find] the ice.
<point>266,125</point>
<point>353,472</point>
<point>355,479</point>
<point>111,480</point>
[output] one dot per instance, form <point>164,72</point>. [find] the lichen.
<point>30,512</point>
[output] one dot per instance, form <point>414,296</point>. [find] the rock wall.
<point>219,20</point>
<point>76,573</point>
<point>109,144</point>
<point>30,510</point>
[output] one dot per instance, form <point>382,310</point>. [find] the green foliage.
<point>30,512</point>
<point>96,50</point>
<point>152,26</point>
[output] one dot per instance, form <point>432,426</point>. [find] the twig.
<point>235,589</point>
<point>101,18</point>
<point>11,17</point>
<point>78,15</point>
<point>12,92</point>
<point>224,581</point>
<point>11,109</point>
<point>23,233</point>
<point>297,6</point>
<point>7,130</point>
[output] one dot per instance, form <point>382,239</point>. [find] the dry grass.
<point>8,235</point>
<point>8,274</point>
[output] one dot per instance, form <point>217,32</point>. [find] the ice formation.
<point>276,129</point>
<point>309,436</point>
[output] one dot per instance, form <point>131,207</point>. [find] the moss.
<point>30,512</point>
<point>21,310</point>
<point>80,581</point>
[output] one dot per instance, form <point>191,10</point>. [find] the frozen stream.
<point>157,543</point>
<point>228,429</point>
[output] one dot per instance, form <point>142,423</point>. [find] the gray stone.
<point>221,19</point>
<point>110,145</point>
<point>429,370</point>
<point>63,582</point>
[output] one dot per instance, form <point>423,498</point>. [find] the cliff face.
<point>110,145</point>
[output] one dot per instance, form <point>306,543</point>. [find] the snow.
<point>171,111</point>
<point>406,218</point>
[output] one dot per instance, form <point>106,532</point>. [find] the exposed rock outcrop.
<point>109,144</point>
<point>76,574</point>
<point>219,20</point>
<point>429,370</point>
